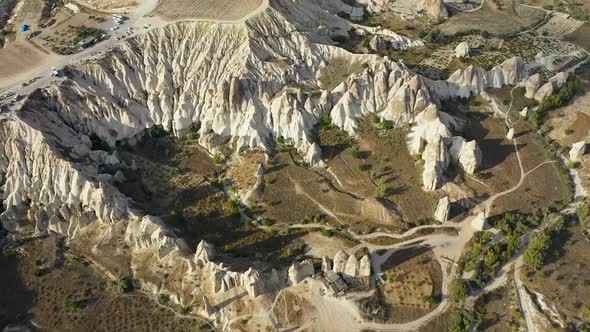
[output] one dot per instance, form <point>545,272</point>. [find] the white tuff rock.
<point>462,50</point>
<point>299,271</point>
<point>352,266</point>
<point>510,134</point>
<point>577,151</point>
<point>340,260</point>
<point>442,209</point>
<point>365,266</point>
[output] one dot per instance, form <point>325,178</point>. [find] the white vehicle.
<point>114,28</point>
<point>17,97</point>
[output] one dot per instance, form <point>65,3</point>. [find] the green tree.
<point>459,291</point>
<point>534,255</point>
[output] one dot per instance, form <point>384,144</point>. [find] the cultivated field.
<point>413,285</point>
<point>224,10</point>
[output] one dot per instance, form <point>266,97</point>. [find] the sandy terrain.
<point>229,10</point>
<point>20,57</point>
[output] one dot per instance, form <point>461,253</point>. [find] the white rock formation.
<point>352,266</point>
<point>531,85</point>
<point>510,134</point>
<point>479,222</point>
<point>365,266</point>
<point>577,151</point>
<point>340,260</point>
<point>525,112</point>
<point>326,264</point>
<point>466,155</point>
<point>552,85</point>
<point>377,43</point>
<point>434,9</point>
<point>462,50</point>
<point>442,209</point>
<point>299,271</point>
<point>205,252</point>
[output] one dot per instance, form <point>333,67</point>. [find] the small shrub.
<point>184,310</point>
<point>459,291</point>
<point>124,285</point>
<point>326,121</point>
<point>381,191</point>
<point>363,167</point>
<point>218,158</point>
<point>569,131</point>
<point>232,208</point>
<point>386,124</point>
<point>163,298</point>
<point>70,304</point>
<point>355,153</point>
<point>37,271</point>
<point>327,232</point>
<point>375,119</point>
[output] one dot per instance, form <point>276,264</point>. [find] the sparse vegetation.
<point>232,208</point>
<point>124,285</point>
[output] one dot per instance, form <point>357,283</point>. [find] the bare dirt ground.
<point>19,57</point>
<point>571,123</point>
<point>337,71</point>
<point>319,245</point>
<point>227,10</point>
<point>413,277</point>
<point>109,5</point>
<point>547,186</point>
<point>64,293</point>
<point>563,280</point>
<point>392,166</point>
<point>498,311</point>
<point>580,37</point>
<point>294,194</point>
<point>510,18</point>
<point>500,170</point>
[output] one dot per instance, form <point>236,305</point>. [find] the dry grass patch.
<point>224,10</point>
<point>413,285</point>
<point>338,70</point>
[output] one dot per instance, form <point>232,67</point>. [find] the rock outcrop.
<point>577,151</point>
<point>510,133</point>
<point>552,85</point>
<point>442,209</point>
<point>466,155</point>
<point>532,84</point>
<point>299,271</point>
<point>462,50</point>
<point>205,252</point>
<point>352,266</point>
<point>340,260</point>
<point>434,9</point>
<point>365,266</point>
